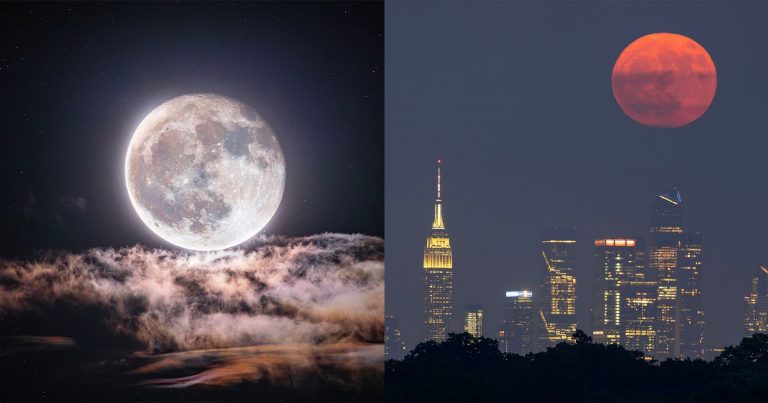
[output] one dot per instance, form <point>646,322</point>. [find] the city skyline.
<point>638,292</point>
<point>533,139</point>
<point>638,301</point>
<point>647,299</point>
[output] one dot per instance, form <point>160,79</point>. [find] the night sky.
<point>516,98</point>
<point>78,78</point>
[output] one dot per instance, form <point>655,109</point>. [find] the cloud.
<point>22,343</point>
<point>280,363</point>
<point>317,290</point>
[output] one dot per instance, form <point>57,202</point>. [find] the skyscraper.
<point>624,296</point>
<point>756,305</point>
<point>691,311</point>
<point>518,310</point>
<point>473,320</point>
<point>665,237</point>
<point>438,275</point>
<point>675,258</point>
<point>394,346</point>
<point>501,337</point>
<point>557,301</point>
<point>638,288</point>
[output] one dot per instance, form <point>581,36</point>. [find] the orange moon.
<point>664,80</point>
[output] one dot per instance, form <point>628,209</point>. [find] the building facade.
<point>624,306</point>
<point>473,320</point>
<point>756,305</point>
<point>557,296</point>
<point>502,339</point>
<point>438,275</point>
<point>665,237</point>
<point>639,305</point>
<point>690,319</point>
<point>394,346</point>
<point>675,257</point>
<point>517,325</point>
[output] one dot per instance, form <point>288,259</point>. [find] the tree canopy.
<point>466,368</point>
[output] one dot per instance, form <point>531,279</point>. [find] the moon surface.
<point>204,172</point>
<point>664,80</point>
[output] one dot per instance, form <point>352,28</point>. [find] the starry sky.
<point>77,78</point>
<point>515,97</point>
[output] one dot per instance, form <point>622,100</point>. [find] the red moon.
<point>664,80</point>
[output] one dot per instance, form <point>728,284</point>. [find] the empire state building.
<point>438,276</point>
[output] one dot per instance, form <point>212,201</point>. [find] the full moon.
<point>204,172</point>
<point>664,80</point>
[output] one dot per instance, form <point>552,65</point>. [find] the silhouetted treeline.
<point>465,368</point>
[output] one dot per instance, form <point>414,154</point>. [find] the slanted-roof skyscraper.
<point>676,259</point>
<point>756,305</point>
<point>665,237</point>
<point>438,275</point>
<point>557,297</point>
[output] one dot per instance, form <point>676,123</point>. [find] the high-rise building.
<point>624,295</point>
<point>518,312</point>
<point>638,290</point>
<point>690,318</point>
<point>501,337</point>
<point>665,237</point>
<point>675,258</point>
<point>557,296</point>
<point>473,320</point>
<point>394,346</point>
<point>438,275</point>
<point>756,305</point>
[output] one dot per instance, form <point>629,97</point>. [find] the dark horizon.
<point>516,99</point>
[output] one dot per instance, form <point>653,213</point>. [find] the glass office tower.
<point>518,313</point>
<point>557,296</point>
<point>623,311</point>
<point>665,237</point>
<point>473,320</point>
<point>691,310</point>
<point>756,305</point>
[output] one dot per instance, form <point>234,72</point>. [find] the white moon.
<point>204,172</point>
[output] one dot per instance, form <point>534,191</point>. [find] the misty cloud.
<point>22,343</point>
<point>352,363</point>
<point>317,290</point>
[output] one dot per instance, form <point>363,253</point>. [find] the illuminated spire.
<point>438,222</point>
